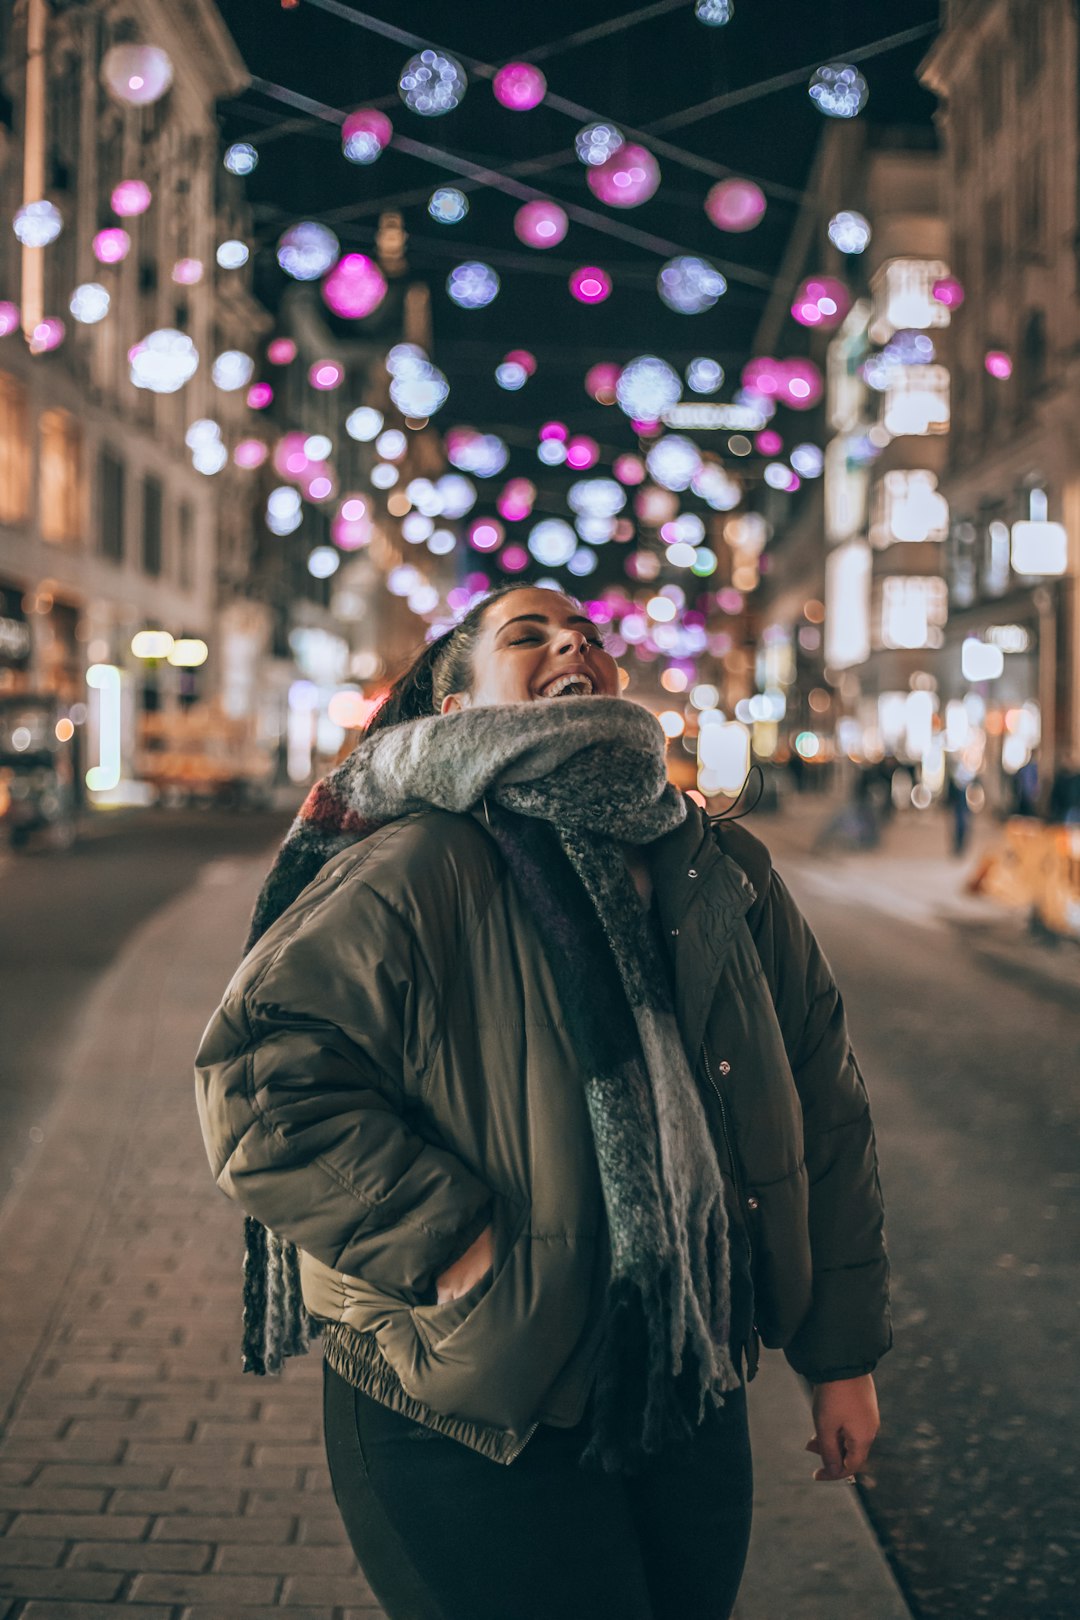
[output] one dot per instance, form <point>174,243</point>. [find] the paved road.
<point>972,1068</point>
<point>64,918</point>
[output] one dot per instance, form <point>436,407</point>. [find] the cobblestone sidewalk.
<point>139,1470</point>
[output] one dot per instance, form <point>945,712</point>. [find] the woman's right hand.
<point>468,1269</point>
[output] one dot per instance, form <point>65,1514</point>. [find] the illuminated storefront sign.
<point>705,417</point>
<point>912,610</point>
<point>847,605</point>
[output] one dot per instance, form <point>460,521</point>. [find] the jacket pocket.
<point>435,1323</point>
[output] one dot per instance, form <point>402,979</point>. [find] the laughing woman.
<point>537,1088</point>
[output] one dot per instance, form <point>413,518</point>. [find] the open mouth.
<point>568,686</point>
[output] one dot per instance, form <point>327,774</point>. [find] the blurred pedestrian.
<point>958,801</point>
<point>548,1080</point>
<point>1064,803</point>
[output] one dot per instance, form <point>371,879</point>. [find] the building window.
<point>911,611</point>
<point>1031,206</point>
<point>992,69</point>
<point>916,401</point>
<point>14,450</point>
<point>1033,352</point>
<point>909,508</point>
<point>153,504</point>
<point>60,477</point>
<point>903,292</point>
<point>111,473</point>
<point>994,240</point>
<point>1028,25</point>
<point>185,547</point>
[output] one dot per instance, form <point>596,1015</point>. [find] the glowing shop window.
<point>846,490</point>
<point>846,390</point>
<point>847,605</point>
<point>14,450</point>
<point>913,609</point>
<point>903,294</point>
<point>917,401</point>
<point>60,484</point>
<point>909,508</point>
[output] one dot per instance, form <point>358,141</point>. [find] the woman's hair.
<point>444,666</point>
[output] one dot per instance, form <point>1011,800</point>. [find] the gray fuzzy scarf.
<point>565,785</point>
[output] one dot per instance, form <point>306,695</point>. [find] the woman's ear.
<point>453,702</point>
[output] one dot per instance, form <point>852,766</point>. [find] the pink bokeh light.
<point>769,442</point>
<point>259,396</point>
<point>555,430</point>
<point>540,224</point>
<point>822,302</point>
<point>187,272</point>
<point>280,351</point>
<point>368,129</point>
<point>998,364</point>
<point>600,381</point>
<point>948,291</point>
<point>735,205</point>
<point>326,375</point>
<point>516,499</point>
<point>629,469</point>
<point>582,452</point>
<point>802,385</point>
<point>47,334</point>
<point>9,317</point>
<point>764,376</point>
<point>111,245</point>
<point>250,453</point>
<point>626,179</point>
<point>515,559</point>
<point>130,197</point>
<point>290,458</point>
<point>486,534</point>
<point>522,358</point>
<point>590,284</point>
<point>354,287</point>
<point>519,86</point>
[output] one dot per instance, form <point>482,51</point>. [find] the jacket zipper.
<point>522,1443</point>
<point>727,1134</point>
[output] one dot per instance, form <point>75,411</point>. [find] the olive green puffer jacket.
<point>389,1070</point>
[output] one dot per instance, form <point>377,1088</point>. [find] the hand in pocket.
<point>468,1269</point>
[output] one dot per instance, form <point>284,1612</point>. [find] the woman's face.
<point>536,644</point>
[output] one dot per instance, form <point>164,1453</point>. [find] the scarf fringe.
<point>276,1325</point>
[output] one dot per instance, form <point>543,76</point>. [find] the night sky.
<point>644,73</point>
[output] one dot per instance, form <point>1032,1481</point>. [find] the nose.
<point>573,641</point>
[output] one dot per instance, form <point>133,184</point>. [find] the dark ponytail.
<point>444,666</point>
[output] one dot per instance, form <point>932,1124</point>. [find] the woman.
<point>548,1081</point>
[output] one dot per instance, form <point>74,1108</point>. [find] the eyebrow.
<point>541,618</point>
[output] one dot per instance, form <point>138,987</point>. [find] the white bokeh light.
<point>308,250</point>
<point>838,90</point>
<point>163,361</point>
<point>456,495</point>
<point>232,370</point>
<point>596,142</point>
<point>447,205</point>
<point>241,158</point>
<point>232,254</point>
<point>511,375</point>
<point>673,461</point>
<point>36,224</point>
<point>690,285</point>
<point>714,13</point>
<point>432,83</point>
<point>704,376</point>
<point>364,424</point>
<point>553,542</point>
<point>89,303</point>
<point>209,459</point>
<point>472,285</point>
<point>850,232</point>
<point>323,562</point>
<point>647,387</point>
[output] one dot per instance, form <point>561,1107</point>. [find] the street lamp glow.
<point>152,644</point>
<point>188,653</point>
<point>104,679</point>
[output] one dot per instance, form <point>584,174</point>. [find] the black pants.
<point>442,1533</point>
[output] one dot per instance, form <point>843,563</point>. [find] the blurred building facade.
<point>1006,74</point>
<point>853,609</point>
<point>106,526</point>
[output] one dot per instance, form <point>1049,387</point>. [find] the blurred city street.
<point>140,1469</point>
<point>750,329</point>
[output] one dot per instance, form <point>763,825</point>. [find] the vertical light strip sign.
<point>33,258</point>
<point>104,679</point>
